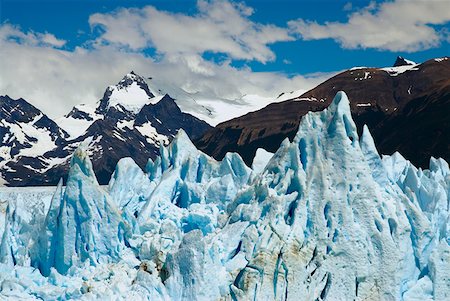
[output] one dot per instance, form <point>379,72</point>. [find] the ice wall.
<point>326,219</point>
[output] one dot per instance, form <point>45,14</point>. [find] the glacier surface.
<point>324,218</point>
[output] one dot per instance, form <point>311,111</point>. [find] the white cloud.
<point>348,6</point>
<point>219,26</point>
<point>9,32</point>
<point>50,39</point>
<point>54,79</point>
<point>402,25</point>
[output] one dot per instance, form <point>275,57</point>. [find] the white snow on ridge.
<point>409,62</point>
<point>213,109</point>
<point>357,68</point>
<point>308,99</point>
<point>394,71</point>
<point>44,141</point>
<point>73,126</point>
<point>441,59</point>
<point>51,162</point>
<point>220,110</point>
<point>76,127</point>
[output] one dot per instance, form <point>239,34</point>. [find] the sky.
<point>60,53</point>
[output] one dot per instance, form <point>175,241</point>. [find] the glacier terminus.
<point>324,218</point>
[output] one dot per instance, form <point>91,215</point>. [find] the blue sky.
<point>294,43</point>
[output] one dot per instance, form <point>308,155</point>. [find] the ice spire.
<point>89,225</point>
<point>80,162</point>
<point>14,247</point>
<point>48,240</point>
<point>129,187</point>
<point>372,157</point>
<point>7,255</point>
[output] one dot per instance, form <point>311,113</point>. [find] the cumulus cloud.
<point>9,32</point>
<point>54,80</point>
<point>38,67</point>
<point>218,26</point>
<point>401,25</point>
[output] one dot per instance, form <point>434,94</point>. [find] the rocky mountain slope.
<point>129,121</point>
<point>406,107</point>
<point>326,219</point>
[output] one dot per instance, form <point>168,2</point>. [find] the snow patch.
<point>151,134</point>
<point>132,98</point>
<point>121,124</point>
<point>394,71</point>
<point>441,59</point>
<point>358,68</point>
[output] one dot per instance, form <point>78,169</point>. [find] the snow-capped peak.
<point>131,93</point>
<point>401,61</point>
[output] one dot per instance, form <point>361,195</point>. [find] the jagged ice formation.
<point>327,218</point>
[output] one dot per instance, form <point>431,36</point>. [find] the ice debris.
<point>326,219</point>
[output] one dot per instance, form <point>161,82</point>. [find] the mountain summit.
<point>400,61</point>
<point>406,108</point>
<point>131,94</point>
<point>129,121</point>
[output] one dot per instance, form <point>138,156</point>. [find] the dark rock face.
<point>118,133</point>
<point>113,142</point>
<point>25,133</point>
<point>169,116</point>
<point>400,61</point>
<point>406,111</point>
<point>19,111</point>
<point>420,130</point>
<point>77,114</point>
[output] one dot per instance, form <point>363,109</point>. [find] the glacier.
<point>324,218</point>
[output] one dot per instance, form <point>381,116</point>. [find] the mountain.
<point>326,218</point>
<point>405,106</point>
<point>129,121</point>
<point>206,105</point>
<point>401,61</point>
<point>25,134</point>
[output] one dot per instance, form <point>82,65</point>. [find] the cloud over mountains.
<point>177,48</point>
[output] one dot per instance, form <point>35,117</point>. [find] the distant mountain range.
<point>407,108</point>
<point>129,121</point>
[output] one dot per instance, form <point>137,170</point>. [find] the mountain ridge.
<point>394,106</point>
<point>113,130</point>
<point>376,95</point>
